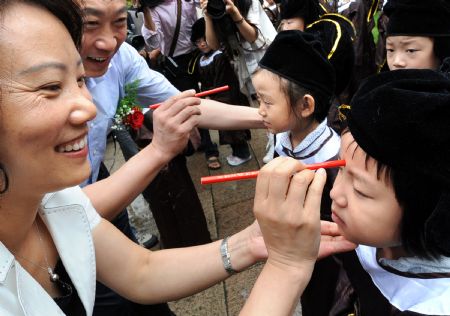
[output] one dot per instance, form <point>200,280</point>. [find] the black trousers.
<point>173,200</point>
<point>182,80</point>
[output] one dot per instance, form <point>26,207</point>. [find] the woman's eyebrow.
<point>46,65</point>
<point>39,67</point>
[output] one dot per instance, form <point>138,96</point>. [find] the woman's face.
<point>410,52</point>
<point>45,104</point>
<point>273,105</point>
<point>364,207</point>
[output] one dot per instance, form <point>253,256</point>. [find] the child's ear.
<point>307,106</point>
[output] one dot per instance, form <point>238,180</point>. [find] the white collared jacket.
<point>70,218</point>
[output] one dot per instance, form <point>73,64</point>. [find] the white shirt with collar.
<point>70,218</point>
<point>320,145</point>
<point>126,66</point>
<point>428,296</point>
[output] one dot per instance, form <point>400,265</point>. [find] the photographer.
<point>252,28</point>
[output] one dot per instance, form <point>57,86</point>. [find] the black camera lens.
<point>216,9</point>
<point>150,3</point>
<point>137,41</point>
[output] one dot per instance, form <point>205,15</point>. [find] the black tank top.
<point>69,302</point>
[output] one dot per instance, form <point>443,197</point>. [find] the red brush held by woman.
<point>254,174</point>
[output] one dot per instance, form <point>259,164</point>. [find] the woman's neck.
<point>303,129</point>
<point>392,253</point>
<point>17,215</point>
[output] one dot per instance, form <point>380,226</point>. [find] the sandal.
<point>213,163</point>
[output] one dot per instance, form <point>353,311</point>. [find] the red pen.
<point>198,95</point>
<point>254,174</point>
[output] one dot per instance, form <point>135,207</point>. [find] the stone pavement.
<point>228,209</point>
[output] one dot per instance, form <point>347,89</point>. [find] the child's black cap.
<point>402,119</point>
<point>418,17</point>
<point>198,30</point>
<point>309,10</point>
<point>299,57</point>
<point>337,34</point>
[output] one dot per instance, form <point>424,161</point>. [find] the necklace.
<point>52,275</point>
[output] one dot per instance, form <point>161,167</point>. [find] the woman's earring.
<point>4,181</point>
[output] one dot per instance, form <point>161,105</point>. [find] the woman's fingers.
<point>315,190</point>
<point>264,177</point>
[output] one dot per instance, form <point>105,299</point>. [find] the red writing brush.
<point>198,95</point>
<point>254,174</point>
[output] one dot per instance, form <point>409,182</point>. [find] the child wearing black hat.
<point>418,33</point>
<point>336,33</point>
<point>297,14</point>
<point>295,85</point>
<point>393,198</point>
<point>214,70</point>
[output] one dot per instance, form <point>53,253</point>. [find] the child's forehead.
<point>353,153</point>
<point>261,73</point>
<point>407,39</point>
<point>360,163</point>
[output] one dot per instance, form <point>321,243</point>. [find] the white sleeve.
<point>153,86</point>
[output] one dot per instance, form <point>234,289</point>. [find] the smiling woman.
<point>55,104</point>
<point>45,107</point>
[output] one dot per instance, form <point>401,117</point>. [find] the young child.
<point>418,33</point>
<point>336,33</point>
<point>393,197</point>
<point>294,99</point>
<point>214,70</point>
<point>296,15</point>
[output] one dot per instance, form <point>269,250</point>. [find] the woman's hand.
<point>331,240</point>
<point>173,122</point>
<point>203,6</point>
<point>287,207</point>
<point>233,10</point>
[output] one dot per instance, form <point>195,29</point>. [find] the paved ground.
<point>228,208</point>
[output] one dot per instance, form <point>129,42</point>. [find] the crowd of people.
<point>363,81</point>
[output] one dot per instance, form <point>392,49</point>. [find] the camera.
<point>137,41</point>
<point>224,26</point>
<point>216,9</point>
<point>150,3</point>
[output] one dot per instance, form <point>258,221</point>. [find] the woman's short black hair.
<point>67,11</point>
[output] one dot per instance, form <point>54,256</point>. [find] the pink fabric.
<point>165,18</point>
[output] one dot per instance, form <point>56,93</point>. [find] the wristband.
<point>226,256</point>
<point>239,21</point>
